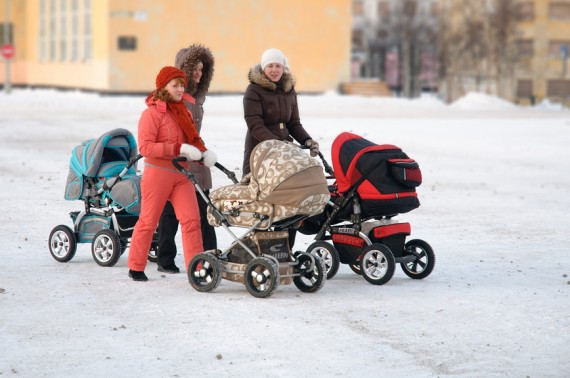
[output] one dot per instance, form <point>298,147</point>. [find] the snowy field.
<point>495,208</point>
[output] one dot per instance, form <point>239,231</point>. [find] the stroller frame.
<point>105,222</point>
<point>260,271</point>
<point>371,246</point>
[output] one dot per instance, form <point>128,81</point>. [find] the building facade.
<point>543,44</point>
<point>119,45</point>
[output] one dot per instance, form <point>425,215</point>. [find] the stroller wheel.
<point>205,272</point>
<point>153,253</point>
<point>329,256</point>
<point>261,277</point>
<point>312,272</point>
<point>425,259</point>
<point>377,264</point>
<point>62,243</point>
<point>106,248</point>
<point>356,267</point>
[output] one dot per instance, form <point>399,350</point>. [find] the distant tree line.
<point>472,41</point>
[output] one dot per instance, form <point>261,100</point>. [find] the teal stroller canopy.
<point>98,161</point>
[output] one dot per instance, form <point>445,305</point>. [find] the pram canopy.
<point>284,182</point>
<point>101,160</point>
<point>385,177</point>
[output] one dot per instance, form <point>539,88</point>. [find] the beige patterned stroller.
<point>285,187</point>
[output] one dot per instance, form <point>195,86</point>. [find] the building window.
<point>559,11</point>
<point>525,11</point>
<point>6,38</point>
<point>382,34</point>
<point>525,48</point>
<point>434,10</point>
<point>63,30</point>
<point>87,30</point>
<point>358,8</point>
<point>410,8</point>
<point>357,39</point>
<point>52,31</point>
<point>524,88</point>
<point>384,9</point>
<point>74,31</point>
<point>558,88</point>
<point>556,48</point>
<point>42,38</point>
<point>127,43</point>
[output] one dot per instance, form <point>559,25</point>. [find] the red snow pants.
<point>157,186</point>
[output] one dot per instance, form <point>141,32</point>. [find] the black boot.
<point>137,276</point>
<point>170,268</point>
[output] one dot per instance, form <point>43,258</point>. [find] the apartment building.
<point>543,43</point>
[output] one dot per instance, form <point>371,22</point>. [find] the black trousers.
<point>168,226</point>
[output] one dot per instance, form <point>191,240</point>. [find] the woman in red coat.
<point>166,130</point>
<point>197,62</point>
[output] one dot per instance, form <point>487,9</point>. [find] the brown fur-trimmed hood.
<point>256,76</point>
<point>187,59</point>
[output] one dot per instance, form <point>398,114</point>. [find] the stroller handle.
<point>231,175</point>
<point>176,162</point>
<point>328,168</point>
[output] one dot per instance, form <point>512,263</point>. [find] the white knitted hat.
<point>273,56</point>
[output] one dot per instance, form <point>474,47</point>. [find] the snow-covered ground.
<point>495,208</point>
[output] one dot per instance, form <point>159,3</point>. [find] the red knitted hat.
<point>168,73</point>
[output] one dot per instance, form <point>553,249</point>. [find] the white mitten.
<point>190,152</point>
<point>210,158</point>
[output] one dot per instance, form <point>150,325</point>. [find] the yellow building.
<point>543,51</point>
<point>118,46</point>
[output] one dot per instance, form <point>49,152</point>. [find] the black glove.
<point>313,147</point>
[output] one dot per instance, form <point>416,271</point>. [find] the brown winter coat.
<point>270,112</point>
<point>186,60</point>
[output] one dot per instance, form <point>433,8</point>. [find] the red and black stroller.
<point>374,183</point>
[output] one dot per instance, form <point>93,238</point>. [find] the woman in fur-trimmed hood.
<point>197,62</point>
<point>270,106</point>
<point>187,60</point>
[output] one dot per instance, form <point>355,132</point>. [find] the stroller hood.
<point>285,182</point>
<point>88,158</point>
<point>283,174</point>
<point>100,161</point>
<point>384,177</point>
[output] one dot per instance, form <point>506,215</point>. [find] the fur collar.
<point>256,76</point>
<point>186,60</point>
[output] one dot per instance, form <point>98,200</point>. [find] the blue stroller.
<point>102,174</point>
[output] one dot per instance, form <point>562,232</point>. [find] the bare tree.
<point>476,47</point>
<point>409,33</point>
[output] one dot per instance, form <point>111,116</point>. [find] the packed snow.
<point>495,208</point>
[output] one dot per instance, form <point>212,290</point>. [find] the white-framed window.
<point>42,48</point>
<point>52,53</point>
<point>63,30</point>
<point>74,30</point>
<point>87,45</point>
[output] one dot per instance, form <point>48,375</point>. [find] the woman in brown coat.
<point>271,111</point>
<point>270,106</point>
<point>197,62</point>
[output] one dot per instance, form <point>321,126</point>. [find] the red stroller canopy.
<point>352,157</point>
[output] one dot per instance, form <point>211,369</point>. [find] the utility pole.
<point>7,86</point>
